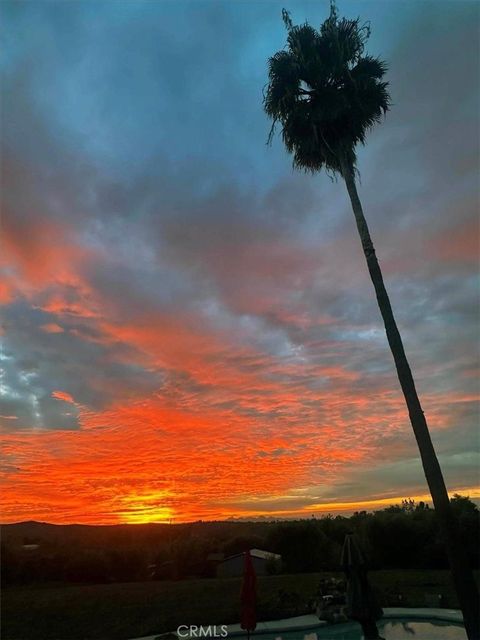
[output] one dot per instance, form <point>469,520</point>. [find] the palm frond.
<point>369,67</point>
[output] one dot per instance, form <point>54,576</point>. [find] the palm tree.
<point>326,94</point>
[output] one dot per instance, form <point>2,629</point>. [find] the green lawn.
<point>119,611</point>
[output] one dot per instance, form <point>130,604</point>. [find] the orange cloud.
<point>52,327</point>
<point>63,395</point>
<point>38,247</point>
<point>228,425</point>
<point>179,456</point>
<point>230,428</point>
<point>6,291</point>
<point>457,244</point>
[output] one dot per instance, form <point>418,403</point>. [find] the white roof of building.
<point>257,553</point>
<point>266,555</point>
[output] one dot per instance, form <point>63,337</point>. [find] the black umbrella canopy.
<point>352,555</point>
<point>362,605</point>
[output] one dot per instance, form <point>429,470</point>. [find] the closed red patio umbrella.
<point>248,620</point>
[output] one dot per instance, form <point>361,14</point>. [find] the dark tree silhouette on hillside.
<point>326,93</point>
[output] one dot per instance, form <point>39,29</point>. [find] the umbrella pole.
<point>370,630</point>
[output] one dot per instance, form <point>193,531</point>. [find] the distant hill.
<point>36,552</point>
<point>82,535</point>
<point>78,534</point>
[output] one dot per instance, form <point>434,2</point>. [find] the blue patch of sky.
<point>136,83</point>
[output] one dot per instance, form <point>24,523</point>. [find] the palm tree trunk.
<point>462,573</point>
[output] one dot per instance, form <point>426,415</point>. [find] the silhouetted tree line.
<point>403,536</point>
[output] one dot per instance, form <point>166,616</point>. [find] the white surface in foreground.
<point>311,621</point>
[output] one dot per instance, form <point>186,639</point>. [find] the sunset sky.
<point>189,327</point>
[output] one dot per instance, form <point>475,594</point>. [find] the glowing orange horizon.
<point>144,510</point>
